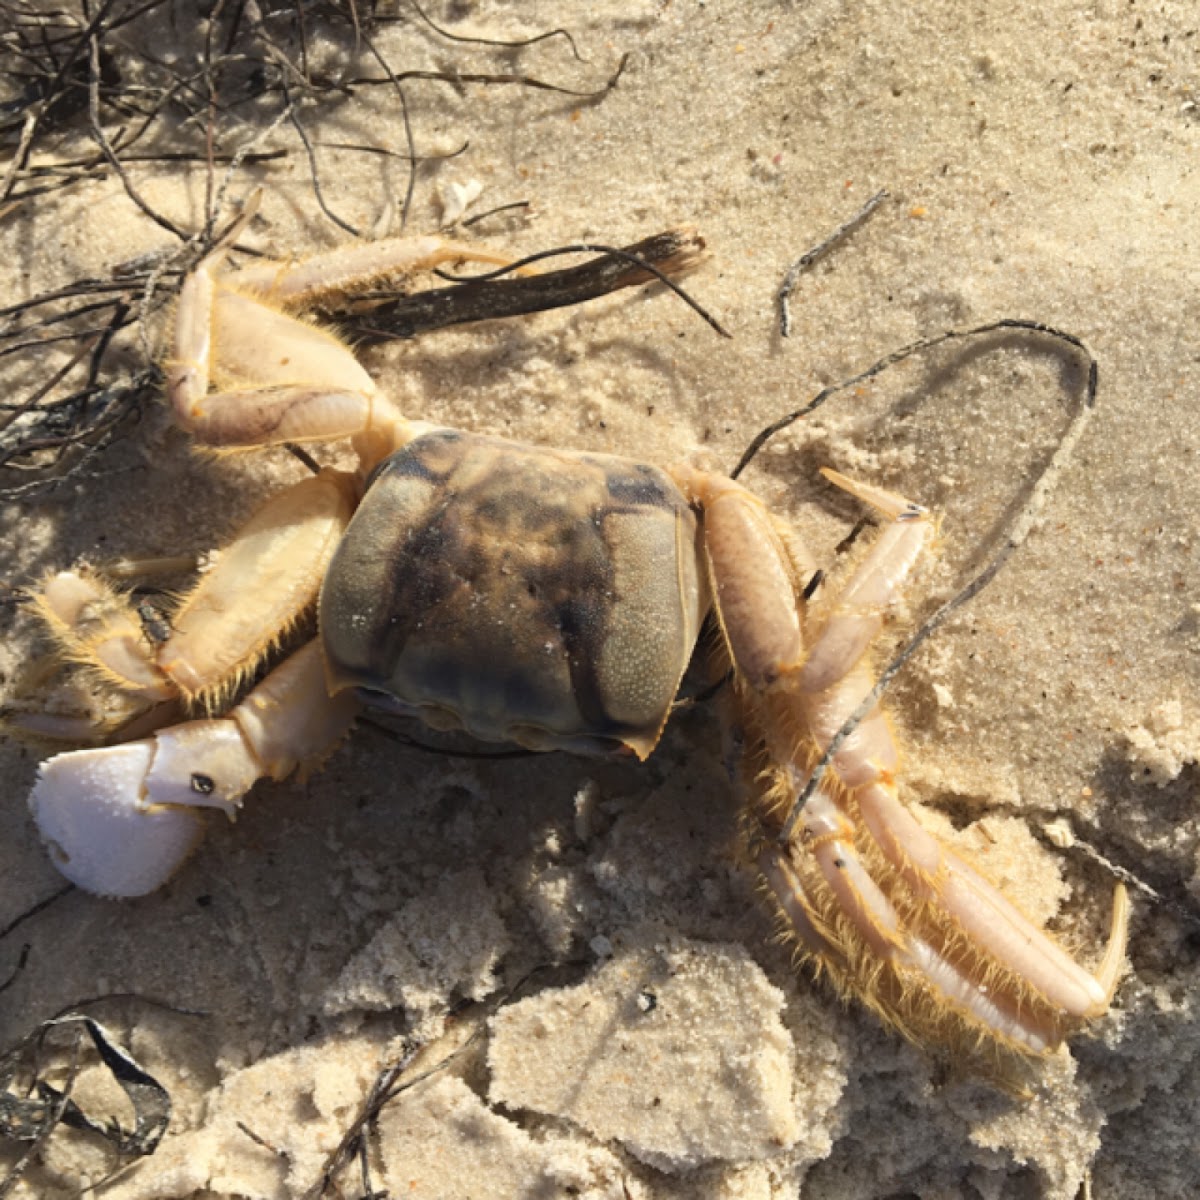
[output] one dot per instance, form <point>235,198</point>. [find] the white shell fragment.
<point>89,810</point>
<point>456,198</point>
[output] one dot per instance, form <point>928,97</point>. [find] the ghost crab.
<point>536,596</point>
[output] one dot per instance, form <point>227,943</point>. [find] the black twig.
<point>507,78</point>
<point>481,41</point>
<point>399,1077</point>
<point>491,212</point>
<point>294,117</point>
<point>818,252</point>
<point>628,256</point>
<point>667,254</point>
<point>106,148</point>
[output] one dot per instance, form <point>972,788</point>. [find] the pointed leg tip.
<point>890,504</point>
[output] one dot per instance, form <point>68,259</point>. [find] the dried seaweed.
<point>31,1107</point>
<point>87,90</point>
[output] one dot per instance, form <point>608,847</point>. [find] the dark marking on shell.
<point>638,485</point>
<point>494,581</point>
<point>435,465</point>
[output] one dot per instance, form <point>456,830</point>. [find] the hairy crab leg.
<point>861,902</point>
<point>937,876</point>
<point>347,270</point>
<point>895,917</point>
<point>120,820</point>
<point>97,626</point>
<point>860,609</point>
<point>933,872</point>
<point>260,586</point>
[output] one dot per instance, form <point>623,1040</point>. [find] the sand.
<point>1040,161</point>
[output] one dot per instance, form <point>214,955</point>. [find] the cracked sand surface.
<point>1041,164</point>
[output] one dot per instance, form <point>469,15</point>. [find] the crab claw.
<point>100,832</point>
<point>119,821</point>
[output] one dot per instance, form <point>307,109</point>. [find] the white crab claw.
<point>102,835</point>
<point>119,820</point>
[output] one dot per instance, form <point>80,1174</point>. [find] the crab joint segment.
<point>278,377</point>
<point>98,627</point>
<point>260,586</point>
<point>119,821</point>
<point>879,904</point>
<point>352,268</point>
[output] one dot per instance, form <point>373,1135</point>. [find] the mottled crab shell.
<point>519,593</point>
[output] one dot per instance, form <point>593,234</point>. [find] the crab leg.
<point>97,626</point>
<point>260,586</point>
<point>933,873</point>
<point>875,921</point>
<point>120,820</point>
<point>937,875</point>
<point>350,270</point>
<point>279,378</point>
<point>895,917</point>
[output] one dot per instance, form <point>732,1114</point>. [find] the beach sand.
<point>583,932</point>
